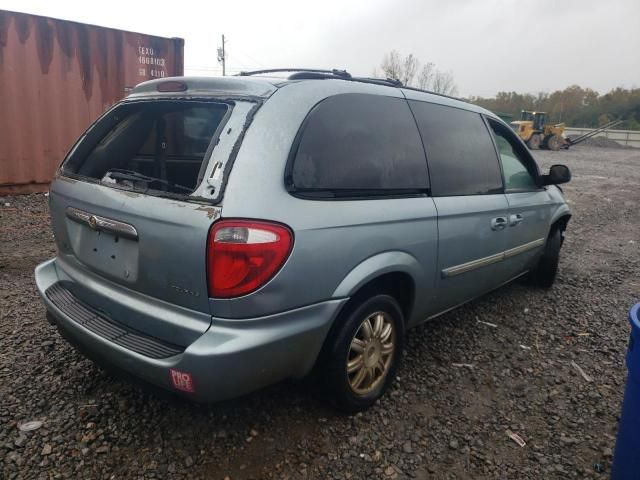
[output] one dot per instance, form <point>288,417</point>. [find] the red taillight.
<point>243,255</point>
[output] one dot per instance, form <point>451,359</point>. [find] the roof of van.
<point>207,86</point>
<point>264,86</point>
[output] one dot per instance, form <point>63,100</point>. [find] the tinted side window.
<point>360,142</point>
<point>460,153</point>
<point>515,167</point>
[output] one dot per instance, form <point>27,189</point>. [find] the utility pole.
<point>222,57</point>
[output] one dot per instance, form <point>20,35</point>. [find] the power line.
<point>252,59</point>
<point>193,70</point>
<point>228,69</point>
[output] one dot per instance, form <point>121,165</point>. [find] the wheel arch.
<point>561,222</point>
<point>396,273</point>
<point>393,273</point>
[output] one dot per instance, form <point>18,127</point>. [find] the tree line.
<point>411,72</point>
<point>575,106</point>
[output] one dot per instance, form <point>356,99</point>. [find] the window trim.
<point>529,161</point>
<point>328,194</point>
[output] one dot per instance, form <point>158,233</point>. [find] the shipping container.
<point>56,78</point>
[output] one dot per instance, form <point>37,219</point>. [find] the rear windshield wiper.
<point>133,176</point>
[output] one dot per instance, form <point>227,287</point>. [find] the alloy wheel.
<point>371,353</point>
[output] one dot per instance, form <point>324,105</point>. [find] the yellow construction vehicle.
<point>532,129</point>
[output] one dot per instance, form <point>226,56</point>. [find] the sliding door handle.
<point>498,223</point>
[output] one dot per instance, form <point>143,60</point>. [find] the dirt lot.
<point>438,421</point>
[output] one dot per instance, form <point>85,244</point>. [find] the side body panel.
<point>332,237</point>
<point>470,249</point>
<point>529,222</point>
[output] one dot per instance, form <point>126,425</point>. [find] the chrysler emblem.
<point>93,221</point>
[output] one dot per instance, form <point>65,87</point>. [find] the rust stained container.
<point>56,78</point>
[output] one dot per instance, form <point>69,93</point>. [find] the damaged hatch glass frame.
<point>216,162</point>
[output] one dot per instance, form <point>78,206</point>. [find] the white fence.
<point>623,137</point>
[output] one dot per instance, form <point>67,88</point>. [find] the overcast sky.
<point>488,45</point>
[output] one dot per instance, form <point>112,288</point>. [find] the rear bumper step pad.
<point>109,329</point>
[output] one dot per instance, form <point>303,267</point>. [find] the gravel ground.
<point>439,420</point>
<point>600,141</point>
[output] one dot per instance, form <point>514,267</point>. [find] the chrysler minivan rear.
<point>132,210</point>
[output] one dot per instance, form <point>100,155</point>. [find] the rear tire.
<point>544,274</point>
<point>554,143</point>
<point>534,142</point>
<point>362,354</point>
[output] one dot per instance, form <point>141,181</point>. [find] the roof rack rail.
<point>416,89</point>
<point>391,82</point>
<point>334,72</point>
<point>318,73</point>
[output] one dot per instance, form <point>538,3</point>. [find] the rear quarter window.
<point>354,143</point>
<point>460,153</point>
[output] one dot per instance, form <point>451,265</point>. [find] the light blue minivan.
<point>217,235</point>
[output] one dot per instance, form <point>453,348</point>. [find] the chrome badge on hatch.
<point>97,222</point>
<point>185,291</point>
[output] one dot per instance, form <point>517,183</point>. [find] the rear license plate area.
<point>106,252</point>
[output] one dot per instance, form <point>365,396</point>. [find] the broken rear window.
<point>150,145</point>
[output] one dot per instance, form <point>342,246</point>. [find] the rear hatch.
<point>132,207</point>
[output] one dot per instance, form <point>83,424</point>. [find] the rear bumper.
<point>231,358</point>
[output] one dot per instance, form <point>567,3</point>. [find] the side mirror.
<point>557,174</point>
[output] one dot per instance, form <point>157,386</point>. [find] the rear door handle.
<point>515,219</point>
<point>498,223</point>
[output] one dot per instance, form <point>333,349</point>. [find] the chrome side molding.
<point>491,259</point>
<point>472,265</point>
<point>97,222</point>
<point>523,248</point>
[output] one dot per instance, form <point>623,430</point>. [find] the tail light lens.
<point>243,255</point>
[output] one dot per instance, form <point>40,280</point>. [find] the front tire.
<point>534,142</point>
<point>363,353</point>
<point>544,274</point>
<point>554,143</point>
